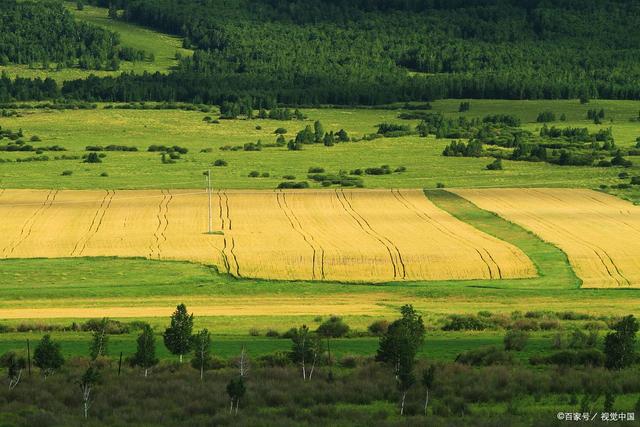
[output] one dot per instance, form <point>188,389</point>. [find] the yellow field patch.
<point>342,235</point>
<point>599,233</point>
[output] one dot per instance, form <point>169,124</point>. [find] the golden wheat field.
<point>356,235</point>
<point>599,233</point>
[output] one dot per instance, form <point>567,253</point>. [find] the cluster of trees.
<point>315,135</point>
<point>46,33</point>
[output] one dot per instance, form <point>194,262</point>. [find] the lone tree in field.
<point>236,390</point>
<point>178,337</point>
<point>14,365</point>
<point>202,352</point>
<point>399,347</point>
<point>145,356</point>
<point>88,380</point>
<point>99,340</point>
<point>619,345</point>
<point>47,356</point>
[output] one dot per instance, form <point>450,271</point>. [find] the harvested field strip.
<point>599,233</point>
<point>345,235</point>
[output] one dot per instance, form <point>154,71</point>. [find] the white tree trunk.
<point>426,403</point>
<point>181,358</point>
<point>146,372</point>
<point>404,395</point>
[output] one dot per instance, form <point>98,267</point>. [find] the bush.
<point>220,162</point>
<point>525,325</point>
<point>546,117</point>
<point>515,340</point>
<point>378,327</point>
<point>272,333</point>
<point>254,332</point>
<point>440,185</point>
<point>254,174</point>
<point>93,157</point>
<point>293,185</point>
<point>590,357</point>
<point>35,138</point>
<point>316,170</point>
<point>496,165</point>
<point>464,323</point>
<point>280,131</point>
<point>104,174</point>
<point>485,356</point>
<point>289,177</point>
<point>67,173</point>
<point>549,324</point>
<point>333,327</point>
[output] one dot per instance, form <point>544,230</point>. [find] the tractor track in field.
<point>27,226</point>
<point>308,237</point>
<point>232,248</point>
<point>225,259</point>
<point>159,235</point>
<point>282,207</point>
<point>96,223</point>
<point>399,268</point>
<point>409,205</point>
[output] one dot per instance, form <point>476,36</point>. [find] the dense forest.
<point>46,34</point>
<point>375,52</point>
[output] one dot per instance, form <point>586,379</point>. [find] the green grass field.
<point>163,46</point>
<point>75,129</point>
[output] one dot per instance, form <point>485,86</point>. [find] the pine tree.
<point>177,337</point>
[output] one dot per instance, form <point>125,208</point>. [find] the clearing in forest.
<point>599,233</point>
<point>341,235</point>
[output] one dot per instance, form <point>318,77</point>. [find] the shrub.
<point>93,157</point>
<point>378,327</point>
<point>265,174</point>
<point>280,131</point>
<point>496,165</point>
<point>485,356</point>
<point>316,170</point>
<point>254,174</point>
<point>440,185</point>
<point>35,138</point>
<point>67,173</point>
<point>272,333</point>
<point>546,117</point>
<point>349,361</point>
<point>549,324</point>
<point>635,180</point>
<point>464,323</point>
<point>220,162</point>
<point>525,325</point>
<point>400,169</point>
<point>293,185</point>
<point>254,332</point>
<point>289,177</point>
<point>515,340</point>
<point>333,327</point>
<point>104,174</point>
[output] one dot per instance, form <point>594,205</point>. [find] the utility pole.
<point>208,182</point>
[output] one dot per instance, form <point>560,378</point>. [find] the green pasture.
<point>426,167</point>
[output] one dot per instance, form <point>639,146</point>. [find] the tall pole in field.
<point>208,175</point>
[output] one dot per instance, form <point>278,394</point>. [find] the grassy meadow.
<point>426,167</point>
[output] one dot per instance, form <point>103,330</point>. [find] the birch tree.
<point>47,356</point>
<point>145,356</point>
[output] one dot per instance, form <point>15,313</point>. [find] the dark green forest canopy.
<point>374,52</point>
<point>46,33</point>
